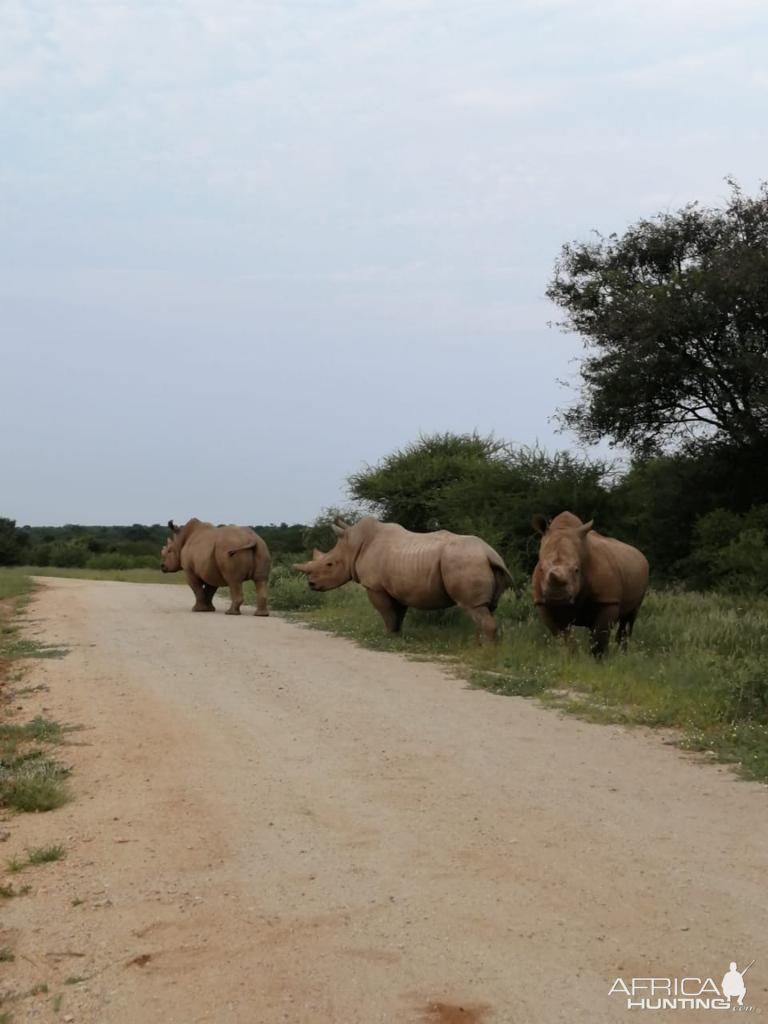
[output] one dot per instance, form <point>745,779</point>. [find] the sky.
<point>248,247</point>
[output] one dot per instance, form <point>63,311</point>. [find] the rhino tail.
<point>502,576</point>
<point>243,547</point>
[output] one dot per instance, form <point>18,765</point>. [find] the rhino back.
<point>406,565</point>
<point>430,570</point>
<point>617,572</point>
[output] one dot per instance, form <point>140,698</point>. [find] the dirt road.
<point>273,825</point>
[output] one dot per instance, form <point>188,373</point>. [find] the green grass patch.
<point>33,782</point>
<point>115,575</point>
<point>7,956</point>
<point>46,854</point>
<point>698,663</point>
<point>14,583</point>
<point>44,730</point>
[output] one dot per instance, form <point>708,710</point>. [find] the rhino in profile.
<point>218,556</point>
<point>585,579</point>
<point>401,570</point>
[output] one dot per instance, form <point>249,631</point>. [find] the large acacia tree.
<point>674,314</point>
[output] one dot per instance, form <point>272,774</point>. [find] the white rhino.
<point>401,570</point>
<point>218,556</point>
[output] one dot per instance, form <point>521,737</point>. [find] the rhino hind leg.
<point>487,630</point>
<point>391,611</point>
<point>209,590</point>
<point>262,608</point>
<point>236,593</point>
<point>626,625</point>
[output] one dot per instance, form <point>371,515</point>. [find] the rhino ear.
<point>172,526</point>
<point>584,530</point>
<point>539,523</point>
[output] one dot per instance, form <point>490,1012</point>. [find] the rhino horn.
<point>338,530</point>
<point>317,553</point>
<point>301,567</point>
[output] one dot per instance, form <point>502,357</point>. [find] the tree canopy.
<point>674,314</point>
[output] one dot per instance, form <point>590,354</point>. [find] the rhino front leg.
<point>389,609</point>
<point>601,629</point>
<point>236,593</point>
<point>202,604</point>
<point>261,597</point>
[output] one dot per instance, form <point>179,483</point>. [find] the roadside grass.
<point>697,664</point>
<point>46,854</point>
<point>30,780</point>
<point>37,855</point>
<point>117,575</point>
<point>14,583</point>
<point>7,891</point>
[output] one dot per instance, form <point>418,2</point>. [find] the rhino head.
<point>562,557</point>
<point>331,569</point>
<point>170,556</point>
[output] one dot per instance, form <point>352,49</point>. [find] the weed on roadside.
<point>46,854</point>
<point>33,782</point>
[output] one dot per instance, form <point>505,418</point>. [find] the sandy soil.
<point>273,825</point>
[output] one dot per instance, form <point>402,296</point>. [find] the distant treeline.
<point>701,519</point>
<point>111,547</point>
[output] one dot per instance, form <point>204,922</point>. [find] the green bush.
<point>288,591</point>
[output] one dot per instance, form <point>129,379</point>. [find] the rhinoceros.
<point>585,579</point>
<point>218,556</point>
<point>401,570</point>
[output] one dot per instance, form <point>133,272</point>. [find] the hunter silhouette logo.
<point>733,984</point>
<point>685,993</point>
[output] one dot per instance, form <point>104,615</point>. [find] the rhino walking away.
<point>218,556</point>
<point>401,570</point>
<point>585,579</point>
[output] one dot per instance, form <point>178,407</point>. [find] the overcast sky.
<point>249,246</point>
